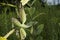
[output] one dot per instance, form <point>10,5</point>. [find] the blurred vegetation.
<point>47,18</point>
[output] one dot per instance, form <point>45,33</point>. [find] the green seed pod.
<point>2,38</point>
<point>22,34</point>
<point>17,23</point>
<point>24,2</point>
<point>22,15</point>
<point>24,26</point>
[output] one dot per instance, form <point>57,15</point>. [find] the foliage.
<point>44,21</point>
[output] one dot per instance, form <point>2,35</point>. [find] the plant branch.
<point>7,4</point>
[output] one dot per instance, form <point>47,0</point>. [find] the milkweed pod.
<point>24,26</point>
<point>2,38</point>
<point>24,2</point>
<point>22,33</point>
<point>22,15</point>
<point>16,22</point>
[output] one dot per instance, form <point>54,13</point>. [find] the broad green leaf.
<point>30,11</point>
<point>39,29</point>
<point>32,29</point>
<point>59,24</point>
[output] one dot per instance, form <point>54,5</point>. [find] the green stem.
<point>7,4</point>
<point>33,2</point>
<point>37,16</point>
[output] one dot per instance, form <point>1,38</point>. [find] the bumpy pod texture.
<point>17,23</point>
<point>22,33</point>
<point>22,15</point>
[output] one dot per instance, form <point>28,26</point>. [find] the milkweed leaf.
<point>39,29</point>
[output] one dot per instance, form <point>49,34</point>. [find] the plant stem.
<point>8,4</point>
<point>33,2</point>
<point>9,33</point>
<point>37,16</point>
